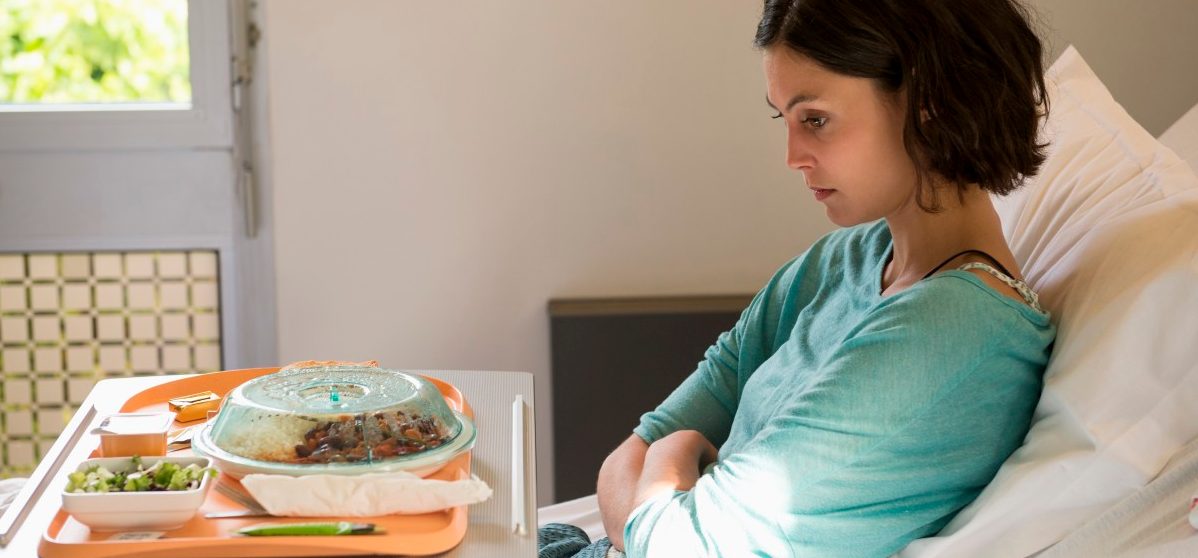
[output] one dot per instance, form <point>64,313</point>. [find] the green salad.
<point>158,477</point>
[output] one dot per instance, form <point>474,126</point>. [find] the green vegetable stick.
<point>308,529</point>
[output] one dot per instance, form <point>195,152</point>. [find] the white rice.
<point>268,437</point>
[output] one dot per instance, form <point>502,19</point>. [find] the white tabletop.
<point>490,530</point>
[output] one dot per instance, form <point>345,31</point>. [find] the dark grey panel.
<point>614,360</point>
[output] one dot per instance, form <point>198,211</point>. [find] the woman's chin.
<point>843,220</point>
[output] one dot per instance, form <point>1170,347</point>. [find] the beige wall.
<point>439,172</point>
<point>1145,52</point>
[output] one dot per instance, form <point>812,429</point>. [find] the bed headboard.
<point>614,359</point>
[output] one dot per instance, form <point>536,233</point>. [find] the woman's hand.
<point>674,463</point>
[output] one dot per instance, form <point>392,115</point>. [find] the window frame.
<point>206,124</point>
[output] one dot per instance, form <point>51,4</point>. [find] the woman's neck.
<point>923,240</point>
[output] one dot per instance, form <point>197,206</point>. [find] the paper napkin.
<point>361,495</point>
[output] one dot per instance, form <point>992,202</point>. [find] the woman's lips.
<point>821,194</point>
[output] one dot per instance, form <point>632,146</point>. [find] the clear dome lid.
<point>335,419</point>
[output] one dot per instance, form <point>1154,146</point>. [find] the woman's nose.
<point>798,155</point>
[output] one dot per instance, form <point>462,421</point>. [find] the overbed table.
<point>494,525</point>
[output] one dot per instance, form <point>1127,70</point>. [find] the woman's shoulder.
<point>960,302</point>
<point>843,252</point>
<point>873,238</point>
<point>841,260</point>
<point>983,293</point>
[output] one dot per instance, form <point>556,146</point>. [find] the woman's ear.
<point>924,114</point>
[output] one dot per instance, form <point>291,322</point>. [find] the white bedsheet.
<point>1150,523</point>
<point>582,513</point>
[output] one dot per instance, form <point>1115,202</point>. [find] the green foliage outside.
<point>94,51</point>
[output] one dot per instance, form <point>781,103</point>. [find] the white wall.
<point>441,171</point>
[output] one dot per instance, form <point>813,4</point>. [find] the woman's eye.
<point>776,116</point>
<point>815,121</point>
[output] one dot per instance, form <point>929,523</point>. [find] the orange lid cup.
<point>129,434</point>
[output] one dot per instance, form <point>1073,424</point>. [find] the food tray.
<point>411,535</point>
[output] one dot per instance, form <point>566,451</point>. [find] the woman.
<point>879,380</point>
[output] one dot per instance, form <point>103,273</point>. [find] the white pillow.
<point>1182,138</point>
<point>1108,235</point>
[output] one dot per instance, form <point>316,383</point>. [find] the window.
<point>114,75</point>
<point>113,217</point>
<point>101,54</point>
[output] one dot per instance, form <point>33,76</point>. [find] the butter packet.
<point>194,406</point>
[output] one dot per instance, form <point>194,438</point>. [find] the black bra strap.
<point>962,253</point>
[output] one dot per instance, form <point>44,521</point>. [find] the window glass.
<point>58,54</point>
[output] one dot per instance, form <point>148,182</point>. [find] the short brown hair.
<point>971,70</point>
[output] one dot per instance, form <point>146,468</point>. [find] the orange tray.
<point>411,535</point>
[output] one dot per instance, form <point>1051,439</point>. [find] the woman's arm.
<point>673,463</point>
<point>637,471</point>
<point>618,480</point>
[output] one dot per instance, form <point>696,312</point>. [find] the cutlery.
<point>237,514</point>
<point>252,507</point>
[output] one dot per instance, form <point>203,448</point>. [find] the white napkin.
<point>9,488</point>
<point>361,495</point>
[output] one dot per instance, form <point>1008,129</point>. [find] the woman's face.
<point>845,135</point>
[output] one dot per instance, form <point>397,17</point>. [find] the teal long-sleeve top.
<point>848,423</point>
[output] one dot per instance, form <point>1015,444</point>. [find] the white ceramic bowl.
<point>118,511</point>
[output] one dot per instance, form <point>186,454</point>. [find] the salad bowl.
<point>111,494</point>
